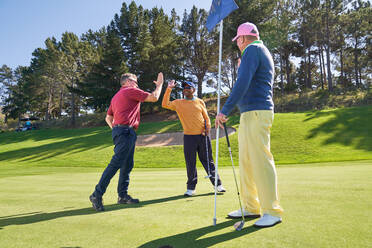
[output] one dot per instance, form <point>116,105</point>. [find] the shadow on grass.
<point>14,215</point>
<point>67,145</point>
<point>349,126</point>
<point>60,134</point>
<point>48,134</point>
<point>192,238</point>
<point>39,216</point>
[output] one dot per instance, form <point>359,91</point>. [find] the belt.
<point>120,125</point>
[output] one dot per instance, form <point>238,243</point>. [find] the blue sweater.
<point>253,89</point>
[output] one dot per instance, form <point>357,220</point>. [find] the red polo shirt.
<point>125,106</point>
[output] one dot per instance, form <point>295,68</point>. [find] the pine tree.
<point>200,47</point>
<point>46,78</point>
<point>358,24</point>
<point>103,80</point>
<point>76,61</point>
<point>258,12</point>
<point>16,103</point>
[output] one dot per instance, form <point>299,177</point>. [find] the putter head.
<point>239,225</point>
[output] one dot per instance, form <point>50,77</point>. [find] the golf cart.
<point>28,125</point>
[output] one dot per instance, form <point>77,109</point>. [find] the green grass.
<point>323,136</point>
<point>321,99</point>
<point>326,205</point>
<point>47,175</point>
<point>319,136</point>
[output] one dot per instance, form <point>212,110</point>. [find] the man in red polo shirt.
<point>123,117</point>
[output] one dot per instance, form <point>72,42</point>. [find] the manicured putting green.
<point>326,205</point>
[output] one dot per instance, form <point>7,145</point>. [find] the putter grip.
<point>226,134</point>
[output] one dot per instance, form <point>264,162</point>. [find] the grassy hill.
<point>308,137</point>
<point>310,100</point>
<point>289,102</point>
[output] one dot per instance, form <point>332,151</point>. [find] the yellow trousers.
<point>258,179</point>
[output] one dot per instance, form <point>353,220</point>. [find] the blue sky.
<point>25,24</point>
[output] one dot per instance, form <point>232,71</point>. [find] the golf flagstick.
<point>218,129</point>
<point>218,11</point>
<point>215,179</point>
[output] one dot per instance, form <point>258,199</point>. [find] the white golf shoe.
<point>238,214</point>
<point>220,189</point>
<point>267,220</point>
<point>189,192</point>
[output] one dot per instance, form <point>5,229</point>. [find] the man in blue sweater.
<point>253,94</point>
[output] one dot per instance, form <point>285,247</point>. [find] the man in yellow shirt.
<point>196,124</point>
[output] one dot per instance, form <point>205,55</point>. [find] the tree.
<point>6,79</point>
<point>150,43</point>
<point>76,61</point>
<point>358,24</point>
<point>127,27</point>
<point>17,100</point>
<point>200,47</point>
<point>258,12</point>
<point>278,38</point>
<point>165,52</point>
<point>46,79</point>
<point>327,20</point>
<point>102,81</point>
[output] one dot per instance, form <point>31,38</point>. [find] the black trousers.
<point>193,144</point>
<point>124,139</point>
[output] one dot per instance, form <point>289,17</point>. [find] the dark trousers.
<point>193,144</point>
<point>124,139</point>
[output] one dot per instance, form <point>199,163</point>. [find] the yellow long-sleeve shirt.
<point>191,113</point>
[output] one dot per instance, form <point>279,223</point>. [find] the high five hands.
<point>172,84</point>
<point>220,118</point>
<point>160,80</point>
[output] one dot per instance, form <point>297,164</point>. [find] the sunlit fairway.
<point>326,205</point>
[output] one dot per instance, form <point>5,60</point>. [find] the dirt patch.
<point>172,139</point>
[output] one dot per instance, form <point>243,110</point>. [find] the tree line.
<point>320,44</point>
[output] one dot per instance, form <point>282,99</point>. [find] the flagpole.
<point>218,129</point>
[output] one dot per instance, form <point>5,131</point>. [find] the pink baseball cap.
<point>246,28</point>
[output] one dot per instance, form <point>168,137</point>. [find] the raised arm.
<point>166,103</point>
<point>154,96</point>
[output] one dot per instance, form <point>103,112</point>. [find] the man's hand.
<point>206,131</point>
<point>109,119</point>
<point>172,84</point>
<point>220,119</point>
<point>159,81</point>
<point>154,96</point>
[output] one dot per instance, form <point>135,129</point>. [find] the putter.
<point>206,148</point>
<point>238,225</point>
